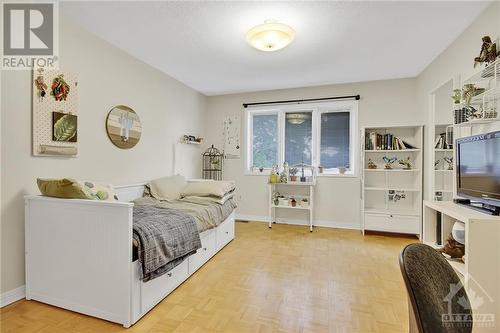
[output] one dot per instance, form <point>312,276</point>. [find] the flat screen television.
<point>478,169</point>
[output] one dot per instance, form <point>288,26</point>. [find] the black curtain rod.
<point>299,101</point>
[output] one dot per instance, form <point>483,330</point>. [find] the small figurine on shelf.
<point>283,178</point>
<point>371,164</point>
<point>449,160</point>
<point>406,163</point>
<point>436,164</point>
<point>293,174</point>
<point>303,176</point>
<point>457,96</point>
<point>286,169</point>
<point>388,162</point>
<point>488,52</point>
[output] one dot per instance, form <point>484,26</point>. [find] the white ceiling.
<point>202,44</point>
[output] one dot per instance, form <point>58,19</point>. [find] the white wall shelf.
<point>392,198</point>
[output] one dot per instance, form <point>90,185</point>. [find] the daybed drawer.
<point>208,246</point>
<point>225,233</point>
<point>392,223</point>
<point>155,290</point>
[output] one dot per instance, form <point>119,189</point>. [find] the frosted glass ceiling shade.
<point>270,36</point>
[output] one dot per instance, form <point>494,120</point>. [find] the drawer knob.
<point>204,249</point>
<point>169,274</point>
<point>391,215</point>
<point>227,232</point>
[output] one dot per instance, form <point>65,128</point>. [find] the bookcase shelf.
<point>392,198</point>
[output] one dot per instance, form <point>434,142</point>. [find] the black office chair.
<point>428,278</point>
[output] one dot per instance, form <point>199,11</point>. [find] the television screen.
<point>479,167</point>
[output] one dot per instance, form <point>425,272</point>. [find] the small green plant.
<point>457,96</point>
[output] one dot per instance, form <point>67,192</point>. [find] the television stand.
<point>481,207</point>
<point>479,273</point>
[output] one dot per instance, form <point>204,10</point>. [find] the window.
<point>335,139</point>
<point>298,138</point>
<point>264,140</point>
<point>323,134</point>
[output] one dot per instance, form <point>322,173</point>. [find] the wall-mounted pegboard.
<point>55,113</point>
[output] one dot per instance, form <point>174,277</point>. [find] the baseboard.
<point>12,296</point>
<point>253,218</point>
<point>317,223</point>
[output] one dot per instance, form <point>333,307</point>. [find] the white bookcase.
<point>392,198</point>
<point>443,175</point>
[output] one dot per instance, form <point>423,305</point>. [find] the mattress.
<point>207,214</point>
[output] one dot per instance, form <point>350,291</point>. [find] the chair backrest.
<point>434,291</point>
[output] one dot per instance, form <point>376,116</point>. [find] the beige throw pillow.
<point>208,188</point>
<point>167,188</point>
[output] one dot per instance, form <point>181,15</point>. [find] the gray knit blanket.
<point>165,237</point>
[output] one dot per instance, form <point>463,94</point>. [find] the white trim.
<point>316,223</point>
<point>12,296</point>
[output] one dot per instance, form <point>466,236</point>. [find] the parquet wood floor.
<point>281,280</point>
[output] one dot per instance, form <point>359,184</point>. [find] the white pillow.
<point>207,189</point>
<point>168,188</point>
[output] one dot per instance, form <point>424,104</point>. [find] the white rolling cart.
<point>273,187</point>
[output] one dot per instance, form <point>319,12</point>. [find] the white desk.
<point>481,270</point>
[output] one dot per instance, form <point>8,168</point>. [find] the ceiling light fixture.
<point>297,118</point>
<point>270,36</point>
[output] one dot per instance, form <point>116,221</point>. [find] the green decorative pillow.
<point>75,189</point>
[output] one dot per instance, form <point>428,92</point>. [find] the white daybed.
<point>79,257</point>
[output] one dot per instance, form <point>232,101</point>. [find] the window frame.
<point>316,109</point>
<point>353,138</point>
<point>249,140</point>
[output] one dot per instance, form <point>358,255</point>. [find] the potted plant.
<point>276,197</point>
<point>304,203</point>
<point>457,96</point>
<point>293,174</point>
<point>293,202</point>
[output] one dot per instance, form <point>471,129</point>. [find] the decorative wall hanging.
<point>232,144</point>
<point>59,89</point>
<point>55,112</point>
<point>123,126</point>
<point>64,127</point>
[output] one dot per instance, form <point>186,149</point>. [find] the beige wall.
<point>168,109</point>
<point>337,203</point>
<point>456,60</point>
<point>107,77</point>
<point>391,102</point>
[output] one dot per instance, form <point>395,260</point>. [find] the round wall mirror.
<point>123,126</point>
